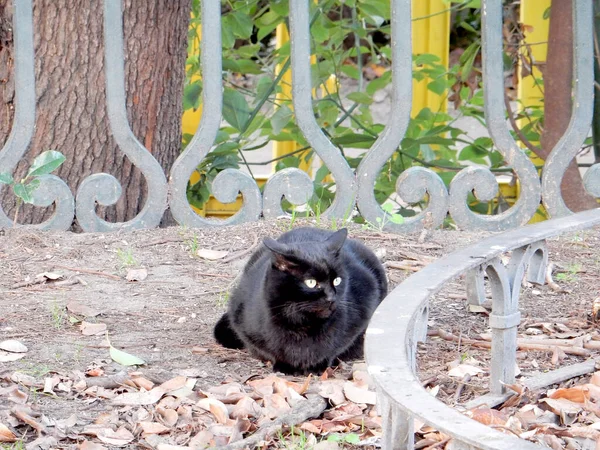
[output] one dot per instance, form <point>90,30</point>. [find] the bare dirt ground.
<point>50,282</point>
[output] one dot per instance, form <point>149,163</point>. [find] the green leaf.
<point>281,118</point>
<point>360,97</point>
<point>546,15</point>
<point>351,71</point>
<point>242,25</point>
<point>125,359</point>
<point>426,59</point>
<point>467,59</point>
<point>45,163</point>
<point>437,86</point>
<point>354,140</point>
<point>379,83</point>
<point>235,109</point>
<point>32,186</point>
<point>191,96</point>
<point>6,178</point>
<point>22,192</point>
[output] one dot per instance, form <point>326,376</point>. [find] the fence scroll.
<point>354,188</point>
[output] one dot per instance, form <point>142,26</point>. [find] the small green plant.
<point>391,217</point>
<point>35,370</point>
<point>223,299</point>
<point>193,245</point>
<point>58,315</point>
<point>350,438</point>
<point>570,273</point>
<point>126,258</point>
<point>19,445</point>
<point>294,440</point>
<point>43,164</point>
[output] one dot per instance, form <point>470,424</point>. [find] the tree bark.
<point>558,79</point>
<point>71,93</point>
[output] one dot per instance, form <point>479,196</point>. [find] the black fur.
<point>277,317</point>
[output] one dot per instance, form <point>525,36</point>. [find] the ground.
<point>50,282</point>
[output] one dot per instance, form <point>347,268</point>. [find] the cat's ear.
<point>336,240</point>
<point>281,255</point>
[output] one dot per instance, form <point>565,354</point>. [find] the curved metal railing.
<point>401,321</point>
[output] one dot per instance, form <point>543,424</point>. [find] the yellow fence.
<point>431,27</point>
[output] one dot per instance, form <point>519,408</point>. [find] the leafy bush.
<point>346,36</point>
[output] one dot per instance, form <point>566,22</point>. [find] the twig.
<point>519,133</point>
<point>438,444</point>
<point>161,241</point>
<point>28,283</point>
<point>313,406</point>
<point>461,386</point>
<point>214,275</point>
<point>550,282</point>
<point>485,344</point>
<point>243,252</point>
<point>89,272</point>
<point>399,265</point>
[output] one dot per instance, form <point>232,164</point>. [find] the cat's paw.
<point>225,335</point>
<point>286,368</point>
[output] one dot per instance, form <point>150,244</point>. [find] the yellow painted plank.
<point>430,34</point>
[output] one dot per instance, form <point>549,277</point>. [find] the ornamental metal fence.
<point>354,188</point>
<point>401,321</point>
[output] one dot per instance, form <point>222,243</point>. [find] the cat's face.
<point>309,279</point>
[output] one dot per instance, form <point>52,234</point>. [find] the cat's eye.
<point>310,282</point>
<point>337,281</point>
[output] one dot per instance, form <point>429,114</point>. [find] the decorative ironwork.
<point>399,323</point>
<point>52,189</point>
<point>581,117</point>
<point>103,188</point>
<point>352,189</point>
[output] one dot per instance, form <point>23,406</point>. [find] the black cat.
<point>304,300</point>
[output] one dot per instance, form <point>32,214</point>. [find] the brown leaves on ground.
<point>176,414</point>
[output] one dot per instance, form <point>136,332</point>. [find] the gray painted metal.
<point>103,188</point>
<point>52,189</point>
<point>482,180</point>
<point>581,117</point>
<point>346,187</point>
<point>390,344</point>
<point>352,189</point>
<point>227,184</point>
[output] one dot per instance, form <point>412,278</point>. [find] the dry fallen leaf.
<point>118,438</point>
<point>245,408</point>
<point>52,276</point>
<point>578,394</point>
<point>6,435</point>
<point>7,357</point>
<point>275,405</point>
<point>217,408</point>
<point>153,428</point>
<point>13,346</point>
<point>169,416</point>
<point>136,274</point>
<point>565,409</point>
<point>89,445</point>
<point>333,391</point>
<point>487,416</point>
<point>211,255</point>
<point>81,310</point>
<point>139,398</point>
<point>92,329</point>
<point>464,369</point>
<point>359,395</point>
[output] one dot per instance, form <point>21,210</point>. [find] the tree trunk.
<point>71,93</point>
<point>558,79</point>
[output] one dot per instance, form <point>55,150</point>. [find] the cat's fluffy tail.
<point>225,335</point>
